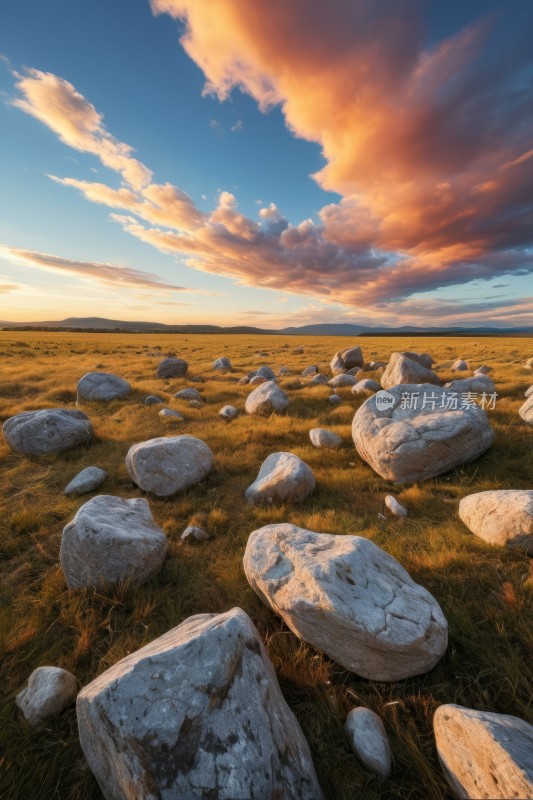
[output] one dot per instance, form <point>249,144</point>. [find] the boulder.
<point>424,359</point>
<point>152,400</point>
<point>111,540</point>
<point>459,366</point>
<point>341,381</point>
<point>195,714</point>
<point>168,464</point>
<point>267,398</point>
<point>366,733</point>
<point>366,386</point>
<point>170,415</point>
<point>525,410</point>
<point>52,430</point>
<point>401,370</point>
<point>347,597</point>
<point>395,508</point>
<point>477,385</point>
<point>320,437</point>
<point>500,517</point>
<point>265,372</point>
<point>484,754</point>
<point>49,691</point>
<point>222,363</point>
<point>405,442</point>
<point>87,480</point>
<point>102,387</point>
<point>228,412</point>
<point>346,359</point>
<point>172,368</point>
<point>282,478</point>
<point>189,394</point>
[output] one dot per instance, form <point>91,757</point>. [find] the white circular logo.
<point>384,400</point>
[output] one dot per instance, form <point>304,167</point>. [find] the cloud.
<point>6,288</point>
<point>108,275</point>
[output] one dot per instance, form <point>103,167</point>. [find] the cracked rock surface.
<point>484,754</point>
<point>283,477</point>
<point>347,597</point>
<point>501,517</point>
<point>402,369</point>
<point>52,430</point>
<point>102,387</point>
<point>109,540</point>
<point>168,464</point>
<point>196,714</point>
<point>404,445</point>
<point>268,397</point>
<point>48,692</point>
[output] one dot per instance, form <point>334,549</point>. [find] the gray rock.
<point>282,478</point>
<point>395,508</point>
<point>341,381</point>
<point>401,369</point>
<point>152,400</point>
<point>500,517</point>
<point>477,385</point>
<point>172,368</point>
<point>102,387</point>
<point>256,380</point>
<point>334,400</point>
<point>194,533</point>
<point>484,754</point>
<point>222,363</point>
<point>265,399</point>
<point>321,437</point>
<point>266,372</point>
<point>483,370</point>
<point>243,381</point>
<point>168,464</point>
<point>347,597</point>
<point>189,394</point>
<point>170,415</point>
<point>318,380</point>
<point>407,444</point>
<point>366,386</point>
<point>369,741</point>
<point>459,366</point>
<point>111,540</point>
<point>196,404</point>
<point>197,713</point>
<point>525,410</point>
<point>87,480</point>
<point>310,370</point>
<point>49,691</point>
<point>52,430</point>
<point>228,412</point>
<point>346,359</point>
<point>424,359</point>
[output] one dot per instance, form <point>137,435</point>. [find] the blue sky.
<point>363,258</point>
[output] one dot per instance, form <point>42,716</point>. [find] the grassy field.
<point>486,593</point>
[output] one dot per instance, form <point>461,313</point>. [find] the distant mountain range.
<point>323,329</point>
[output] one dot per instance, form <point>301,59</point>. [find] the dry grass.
<point>485,592</point>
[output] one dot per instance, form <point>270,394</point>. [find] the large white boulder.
<point>347,597</point>
<point>102,387</point>
<point>48,692</point>
<point>52,430</point>
<point>414,437</point>
<point>268,397</point>
<point>195,714</point>
<point>484,754</point>
<point>168,464</point>
<point>369,741</point>
<point>401,369</point>
<point>525,410</point>
<point>111,540</point>
<point>282,478</point>
<point>172,368</point>
<point>500,517</point>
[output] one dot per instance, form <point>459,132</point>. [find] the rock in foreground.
<point>268,397</point>
<point>500,517</point>
<point>196,714</point>
<point>168,464</point>
<point>111,540</point>
<point>49,691</point>
<point>282,478</point>
<point>405,442</point>
<point>484,754</point>
<point>347,597</point>
<point>52,430</point>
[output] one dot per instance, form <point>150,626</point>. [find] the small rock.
<point>172,368</point>
<point>196,404</point>
<point>243,381</point>
<point>395,507</point>
<point>283,477</point>
<point>257,380</point>
<point>169,415</point>
<point>334,400</point>
<point>318,380</point>
<point>266,399</point>
<point>49,691</point>
<point>340,381</point>
<point>102,387</point>
<point>483,370</point>
<point>194,533</point>
<point>228,412</point>
<point>346,359</point>
<point>87,480</point>
<point>152,400</point>
<point>424,359</point>
<point>310,370</point>
<point>222,363</point>
<point>168,464</point>
<point>459,366</point>
<point>266,372</point>
<point>366,386</point>
<point>189,394</point>
<point>321,437</point>
<point>369,741</point>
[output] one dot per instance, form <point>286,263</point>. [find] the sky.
<point>267,163</point>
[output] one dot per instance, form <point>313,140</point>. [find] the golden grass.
<point>486,593</point>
